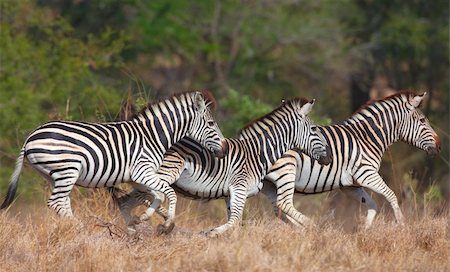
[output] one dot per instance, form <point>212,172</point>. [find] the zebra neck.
<point>271,142</point>
<point>376,128</point>
<point>164,124</point>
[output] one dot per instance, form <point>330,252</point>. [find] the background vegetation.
<point>83,60</point>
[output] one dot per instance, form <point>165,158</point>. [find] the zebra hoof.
<point>134,220</point>
<point>147,214</point>
<point>310,224</point>
<point>210,233</point>
<point>144,217</point>
<point>367,226</point>
<point>161,229</point>
<point>131,230</point>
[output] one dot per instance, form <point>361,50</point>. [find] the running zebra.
<point>357,146</point>
<point>239,174</point>
<point>104,155</point>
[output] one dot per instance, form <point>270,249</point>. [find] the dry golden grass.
<point>35,239</point>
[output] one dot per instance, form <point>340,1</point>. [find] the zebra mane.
<point>369,103</point>
<point>210,101</point>
<point>299,101</point>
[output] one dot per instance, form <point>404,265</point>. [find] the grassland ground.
<point>34,238</point>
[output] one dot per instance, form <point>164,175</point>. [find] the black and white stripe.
<point>104,155</point>
<point>238,175</point>
<point>357,146</point>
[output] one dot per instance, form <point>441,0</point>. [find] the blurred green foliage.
<point>47,73</point>
<point>242,109</point>
<point>65,59</point>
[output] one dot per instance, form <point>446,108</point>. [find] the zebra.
<point>196,174</point>
<point>106,154</point>
<point>357,146</point>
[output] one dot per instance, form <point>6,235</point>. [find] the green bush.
<point>47,73</point>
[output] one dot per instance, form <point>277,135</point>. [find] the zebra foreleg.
<point>162,212</point>
<point>147,180</point>
<point>376,183</point>
<point>360,195</point>
<point>238,196</point>
<point>153,202</point>
<point>227,202</point>
<point>126,204</point>
<point>169,223</point>
<point>168,172</point>
<point>135,198</point>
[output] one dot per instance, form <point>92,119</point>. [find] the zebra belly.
<point>197,187</point>
<point>252,191</point>
<point>103,182</point>
<point>311,177</point>
<point>254,185</point>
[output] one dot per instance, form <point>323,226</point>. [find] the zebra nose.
<point>225,147</point>
<point>437,141</point>
<point>223,151</point>
<point>432,151</point>
<point>327,157</point>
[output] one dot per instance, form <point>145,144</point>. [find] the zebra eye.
<point>314,129</point>
<point>422,120</point>
<point>211,123</point>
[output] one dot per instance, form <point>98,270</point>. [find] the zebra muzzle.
<point>223,151</point>
<point>433,151</point>
<point>327,158</point>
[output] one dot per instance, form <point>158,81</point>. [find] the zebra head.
<point>310,139</point>
<point>204,128</point>
<point>416,129</point>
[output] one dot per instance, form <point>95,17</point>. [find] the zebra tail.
<point>14,181</point>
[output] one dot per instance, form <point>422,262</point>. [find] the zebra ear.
<point>199,102</point>
<point>415,101</point>
<point>307,107</point>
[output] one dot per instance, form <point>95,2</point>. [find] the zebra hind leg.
<point>270,191</point>
<point>126,204</point>
<point>285,187</point>
<point>279,186</point>
<point>59,199</point>
<point>360,195</point>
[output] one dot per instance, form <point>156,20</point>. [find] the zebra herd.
<point>175,145</point>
